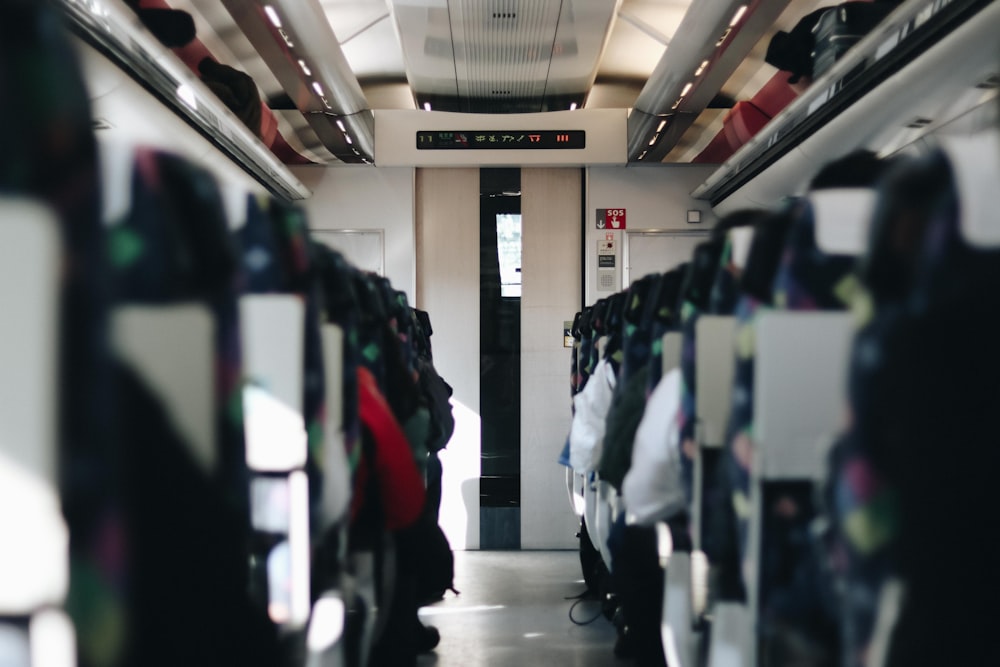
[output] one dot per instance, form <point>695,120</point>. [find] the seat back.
<point>714,369</point>
<point>731,631</point>
<point>799,397</point>
<point>671,351</point>
<point>271,327</point>
<point>33,561</point>
<point>605,518</point>
<point>676,625</point>
<point>715,357</point>
<point>272,330</point>
<point>336,469</point>
<point>799,390</point>
<point>172,348</point>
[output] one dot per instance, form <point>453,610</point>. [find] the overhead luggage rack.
<point>111,28</point>
<point>898,44</point>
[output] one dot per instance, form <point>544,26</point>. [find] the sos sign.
<point>611,218</point>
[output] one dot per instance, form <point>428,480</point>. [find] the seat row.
<point>217,438</point>
<point>795,425</point>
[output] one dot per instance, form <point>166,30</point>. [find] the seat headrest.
<point>843,217</point>
<point>975,163</point>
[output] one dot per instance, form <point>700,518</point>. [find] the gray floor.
<point>512,612</point>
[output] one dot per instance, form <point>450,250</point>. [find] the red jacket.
<point>399,482</point>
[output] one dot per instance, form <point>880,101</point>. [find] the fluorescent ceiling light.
<point>663,124</point>
<point>687,89</point>
<point>318,88</point>
<point>273,15</point>
<point>187,95</point>
<point>738,15</point>
<point>305,68</point>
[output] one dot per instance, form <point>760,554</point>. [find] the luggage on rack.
<point>839,28</point>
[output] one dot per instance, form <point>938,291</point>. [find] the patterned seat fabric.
<point>666,317</point>
<point>50,153</point>
<point>923,379</point>
<point>173,246</point>
<point>694,296</point>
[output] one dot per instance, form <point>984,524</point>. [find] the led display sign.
<point>501,139</point>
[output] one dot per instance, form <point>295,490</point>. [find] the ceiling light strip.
<point>272,15</point>
<point>738,15</point>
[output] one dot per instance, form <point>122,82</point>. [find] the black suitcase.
<point>840,28</point>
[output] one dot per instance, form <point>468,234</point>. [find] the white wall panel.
<point>356,197</point>
<point>550,274</point>
<point>447,251</point>
<point>653,196</point>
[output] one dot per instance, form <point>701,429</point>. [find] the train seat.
<point>271,327</point>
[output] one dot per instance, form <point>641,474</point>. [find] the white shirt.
<point>586,434</point>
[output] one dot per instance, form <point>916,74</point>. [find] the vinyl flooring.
<point>513,612</point>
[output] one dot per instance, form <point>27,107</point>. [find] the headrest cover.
<point>843,217</point>
<point>116,159</point>
<point>742,239</point>
<point>235,198</point>
<point>975,163</point>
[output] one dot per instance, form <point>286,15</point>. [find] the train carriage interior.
<point>712,382</point>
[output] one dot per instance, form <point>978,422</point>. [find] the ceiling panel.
<point>501,55</point>
<point>503,48</point>
<point>367,37</point>
<point>579,43</point>
<point>351,17</point>
<point>631,54</point>
<point>424,29</point>
<point>375,54</point>
<point>639,38</point>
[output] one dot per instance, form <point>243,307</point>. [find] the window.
<point>509,250</point>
